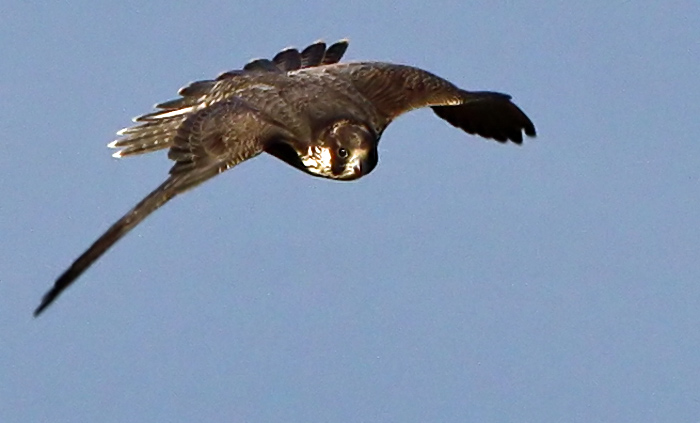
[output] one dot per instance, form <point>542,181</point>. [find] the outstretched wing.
<point>396,89</point>
<point>206,144</point>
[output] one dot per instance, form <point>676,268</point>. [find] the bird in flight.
<point>306,108</point>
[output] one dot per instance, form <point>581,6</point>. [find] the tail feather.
<point>266,65</point>
<point>149,136</point>
<point>197,88</point>
<point>313,54</point>
<point>157,129</point>
<point>335,52</point>
<point>174,104</point>
<point>288,60</point>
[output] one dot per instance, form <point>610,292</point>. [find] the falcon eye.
<point>342,153</point>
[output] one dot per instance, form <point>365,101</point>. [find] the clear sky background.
<point>462,281</point>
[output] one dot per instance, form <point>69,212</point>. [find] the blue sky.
<point>463,280</point>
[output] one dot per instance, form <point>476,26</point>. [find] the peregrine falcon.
<point>306,108</point>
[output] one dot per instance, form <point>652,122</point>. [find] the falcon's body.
<point>320,116</point>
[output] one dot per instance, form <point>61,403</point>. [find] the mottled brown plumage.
<point>305,108</point>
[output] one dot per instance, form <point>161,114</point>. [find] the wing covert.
<point>227,132</point>
<point>396,89</point>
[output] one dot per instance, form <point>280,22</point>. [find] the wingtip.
<point>38,310</point>
<point>46,301</point>
<point>530,131</point>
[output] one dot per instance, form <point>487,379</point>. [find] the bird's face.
<point>344,150</point>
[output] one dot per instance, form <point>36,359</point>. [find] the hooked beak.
<point>361,168</point>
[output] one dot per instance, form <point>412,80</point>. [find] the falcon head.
<point>344,150</point>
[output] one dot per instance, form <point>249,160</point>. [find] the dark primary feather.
<point>490,115</point>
